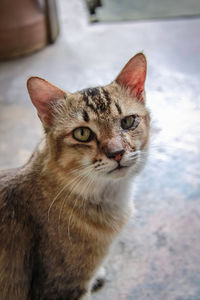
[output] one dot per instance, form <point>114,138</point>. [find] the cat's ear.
<point>43,94</point>
<point>133,76</point>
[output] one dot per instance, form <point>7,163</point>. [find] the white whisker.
<point>52,203</point>
<point>74,182</point>
<point>84,176</point>
<point>65,186</point>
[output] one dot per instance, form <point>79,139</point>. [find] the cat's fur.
<point>60,212</point>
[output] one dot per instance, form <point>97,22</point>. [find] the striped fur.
<point>61,211</point>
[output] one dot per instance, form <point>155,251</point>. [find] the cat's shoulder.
<point>8,178</point>
<point>8,174</point>
<point>9,189</point>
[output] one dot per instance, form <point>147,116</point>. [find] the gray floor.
<point>158,255</point>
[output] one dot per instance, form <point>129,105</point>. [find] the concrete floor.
<point>158,255</point>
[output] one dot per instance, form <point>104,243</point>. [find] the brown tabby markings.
<point>61,211</point>
<point>118,108</point>
<point>85,116</point>
<point>97,99</point>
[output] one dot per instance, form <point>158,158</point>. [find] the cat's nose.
<point>113,149</point>
<point>117,155</point>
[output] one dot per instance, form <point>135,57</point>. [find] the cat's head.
<point>97,132</point>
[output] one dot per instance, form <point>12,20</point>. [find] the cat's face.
<point>98,132</point>
<point>101,131</point>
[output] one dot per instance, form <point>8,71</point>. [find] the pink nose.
<point>117,155</point>
<point>113,149</point>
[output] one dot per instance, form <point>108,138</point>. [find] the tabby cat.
<point>61,211</point>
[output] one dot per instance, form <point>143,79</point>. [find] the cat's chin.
<point>118,173</point>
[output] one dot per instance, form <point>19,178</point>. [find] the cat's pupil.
<point>82,132</point>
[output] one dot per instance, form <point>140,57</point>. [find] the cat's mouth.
<point>119,167</point>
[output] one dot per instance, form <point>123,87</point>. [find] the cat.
<point>61,211</point>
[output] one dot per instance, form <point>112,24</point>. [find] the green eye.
<point>128,122</point>
<point>82,134</point>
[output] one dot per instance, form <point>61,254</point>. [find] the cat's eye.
<point>128,122</point>
<point>82,134</point>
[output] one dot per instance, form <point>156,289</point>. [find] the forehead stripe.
<point>107,96</point>
<point>85,116</point>
<point>87,101</point>
<point>92,92</point>
<point>98,99</point>
<point>118,108</point>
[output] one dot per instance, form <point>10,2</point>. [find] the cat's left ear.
<point>133,76</point>
<point>43,94</point>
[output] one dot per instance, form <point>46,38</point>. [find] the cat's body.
<point>60,213</point>
<point>36,239</point>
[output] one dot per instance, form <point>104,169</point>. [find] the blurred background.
<point>80,43</point>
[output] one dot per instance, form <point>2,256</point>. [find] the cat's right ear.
<point>133,75</point>
<point>43,94</point>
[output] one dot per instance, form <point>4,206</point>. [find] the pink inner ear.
<point>135,82</point>
<point>42,93</point>
<point>133,75</point>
